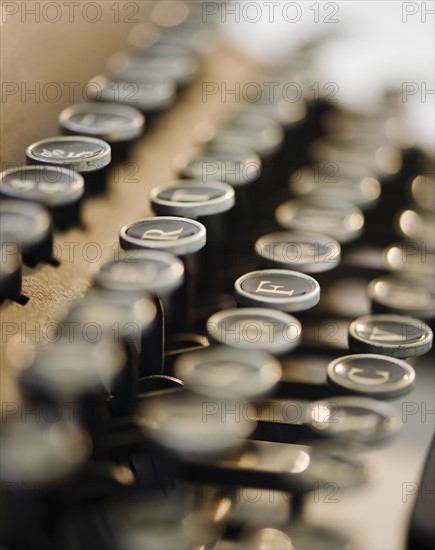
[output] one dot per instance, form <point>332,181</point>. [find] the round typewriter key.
<point>410,257</point>
<point>180,236</point>
<point>192,199</point>
<point>171,61</point>
<point>40,456</point>
<point>81,373</point>
<point>125,317</point>
<point>263,329</point>
<point>394,335</point>
<point>306,252</point>
<point>374,375</point>
<point>222,372</point>
<point>208,203</point>
<point>186,424</point>
<point>87,155</point>
<point>263,135</point>
<point>152,95</point>
<point>235,166</point>
<point>277,289</point>
<point>353,418</point>
<point>149,271</point>
<point>29,225</point>
<point>241,168</point>
<point>117,124</point>
<point>417,225</point>
<point>58,189</point>
<point>10,269</point>
<point>345,182</point>
<point>378,155</point>
<point>423,192</point>
<point>404,294</point>
<point>338,219</point>
<point>259,133</point>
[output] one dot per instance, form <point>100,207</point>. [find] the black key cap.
<point>58,189</point>
<point>119,125</point>
<point>127,318</point>
<point>241,168</point>
<point>372,375</point>
<point>262,329</point>
<point>169,60</point>
<point>10,269</point>
<point>29,225</point>
<point>154,94</point>
<point>359,419</point>
<point>306,252</point>
<point>87,155</point>
<point>150,272</point>
<point>277,289</point>
<point>338,219</point>
<point>416,258</point>
<point>79,374</point>
<point>207,203</point>
<point>394,335</point>
<point>40,457</point>
<point>403,294</point>
<point>183,238</point>
<point>220,371</point>
<point>346,182</point>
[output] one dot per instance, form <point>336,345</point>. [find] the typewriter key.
<point>417,225</point>
<point>87,155</point>
<point>346,182</point>
<point>223,372</point>
<point>423,192</point>
<point>338,219</point>
<point>193,33</point>
<point>277,289</point>
<point>119,125</point>
<point>379,156</point>
<point>372,375</point>
<point>192,199</point>
<point>394,335</point>
<point>149,271</point>
<point>188,425</point>
<point>241,168</point>
<point>152,95</point>
<point>262,329</point>
<point>40,456</point>
<point>257,132</point>
<point>124,317</point>
<point>80,374</point>
<point>10,269</point>
<point>306,252</point>
<point>207,203</point>
<point>263,135</point>
<point>171,61</point>
<point>404,294</point>
<point>180,236</point>
<point>29,225</point>
<point>58,189</point>
<point>359,419</point>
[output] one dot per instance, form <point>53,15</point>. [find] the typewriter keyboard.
<point>216,315</point>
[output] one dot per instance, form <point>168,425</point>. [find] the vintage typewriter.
<point>217,295</point>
